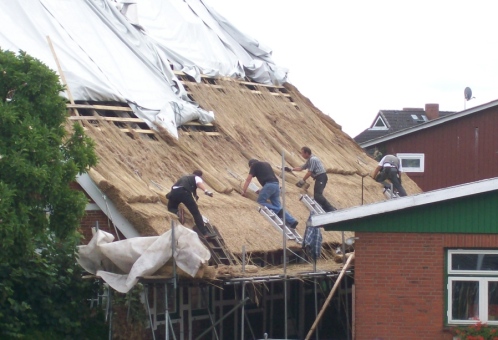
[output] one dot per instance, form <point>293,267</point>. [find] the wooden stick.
<point>109,119</point>
<point>61,74</point>
<point>99,107</point>
<point>331,294</point>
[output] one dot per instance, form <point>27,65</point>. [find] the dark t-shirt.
<point>263,172</point>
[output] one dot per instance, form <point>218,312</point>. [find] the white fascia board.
<point>106,206</point>
<point>405,202</point>
<point>429,124</point>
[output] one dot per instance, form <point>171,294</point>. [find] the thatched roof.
<point>253,121</point>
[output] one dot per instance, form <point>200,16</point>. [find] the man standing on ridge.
<point>317,171</point>
<point>184,191</point>
<point>389,168</point>
<point>270,189</point>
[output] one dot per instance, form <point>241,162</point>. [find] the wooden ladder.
<point>216,245</point>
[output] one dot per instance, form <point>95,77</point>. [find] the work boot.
<point>292,225</point>
<point>280,213</point>
<point>203,232</point>
<point>208,235</point>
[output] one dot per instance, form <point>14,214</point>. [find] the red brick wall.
<point>92,217</point>
<point>89,221</point>
<point>399,279</point>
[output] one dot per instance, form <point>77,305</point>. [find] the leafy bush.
<point>41,291</point>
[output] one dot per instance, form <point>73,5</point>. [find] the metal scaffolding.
<point>154,283</point>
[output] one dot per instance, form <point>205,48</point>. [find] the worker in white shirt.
<point>389,168</point>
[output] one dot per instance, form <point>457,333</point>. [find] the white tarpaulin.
<point>120,263</point>
<point>106,58</point>
<point>198,40</point>
<point>103,57</point>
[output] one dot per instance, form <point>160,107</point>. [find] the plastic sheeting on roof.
<point>198,40</point>
<point>121,263</point>
<point>105,58</point>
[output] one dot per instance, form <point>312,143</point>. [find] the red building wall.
<point>399,283</point>
<point>90,220</point>
<point>459,151</point>
<point>92,217</point>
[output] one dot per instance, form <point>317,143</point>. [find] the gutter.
<point>406,202</point>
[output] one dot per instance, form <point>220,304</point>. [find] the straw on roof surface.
<point>136,172</point>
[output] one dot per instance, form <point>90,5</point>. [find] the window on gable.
<point>472,286</point>
<point>412,162</point>
<point>379,124</point>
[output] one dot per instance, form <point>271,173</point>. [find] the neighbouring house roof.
<point>429,124</point>
<point>389,121</point>
<point>467,208</point>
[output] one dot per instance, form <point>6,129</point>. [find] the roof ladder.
<point>275,221</point>
<point>216,245</point>
<point>312,205</point>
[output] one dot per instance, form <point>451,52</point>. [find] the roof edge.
<point>401,203</point>
<point>106,206</point>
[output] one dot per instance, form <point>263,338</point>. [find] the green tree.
<point>41,291</point>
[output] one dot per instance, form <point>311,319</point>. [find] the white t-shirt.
<point>197,181</point>
<point>390,161</point>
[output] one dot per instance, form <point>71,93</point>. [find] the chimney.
<point>432,111</point>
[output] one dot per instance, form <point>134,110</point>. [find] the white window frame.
<point>419,156</point>
<point>484,277</point>
<point>470,272</point>
<point>374,127</point>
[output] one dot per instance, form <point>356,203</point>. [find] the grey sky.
<point>354,58</point>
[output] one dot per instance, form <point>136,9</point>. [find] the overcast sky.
<point>354,58</point>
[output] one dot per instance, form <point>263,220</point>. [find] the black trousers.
<point>393,176</point>
<point>320,183</point>
<point>182,195</point>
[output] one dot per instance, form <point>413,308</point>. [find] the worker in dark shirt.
<point>185,191</point>
<point>270,189</point>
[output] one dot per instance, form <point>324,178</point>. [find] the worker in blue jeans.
<point>270,189</point>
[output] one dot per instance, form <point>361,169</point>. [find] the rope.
<point>109,217</point>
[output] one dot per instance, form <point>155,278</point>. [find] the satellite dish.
<point>467,93</point>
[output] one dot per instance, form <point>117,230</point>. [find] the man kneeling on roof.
<point>389,168</point>
<point>270,189</point>
<point>184,191</point>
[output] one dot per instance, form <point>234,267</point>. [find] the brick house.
<point>424,263</point>
<point>445,150</point>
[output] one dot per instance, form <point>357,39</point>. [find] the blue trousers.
<point>271,191</point>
